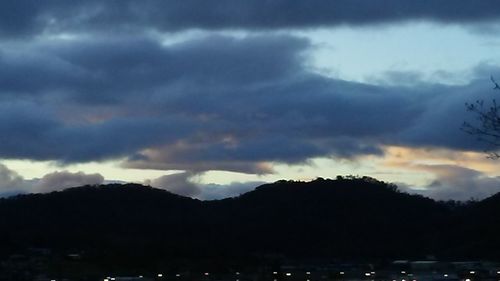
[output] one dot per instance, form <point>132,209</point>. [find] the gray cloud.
<point>63,179</point>
<point>457,183</point>
<point>11,183</point>
<point>185,184</point>
<point>25,17</point>
<point>177,183</point>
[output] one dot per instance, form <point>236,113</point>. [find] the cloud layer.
<point>27,17</point>
<point>210,103</point>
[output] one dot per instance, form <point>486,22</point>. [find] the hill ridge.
<point>348,218</point>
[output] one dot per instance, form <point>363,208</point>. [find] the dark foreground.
<point>395,270</point>
<point>132,230</point>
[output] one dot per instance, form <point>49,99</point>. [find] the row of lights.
<point>367,274</point>
<point>290,274</point>
<point>160,275</point>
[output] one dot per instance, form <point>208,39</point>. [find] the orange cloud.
<point>415,158</point>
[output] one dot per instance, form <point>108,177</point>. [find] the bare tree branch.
<point>488,117</point>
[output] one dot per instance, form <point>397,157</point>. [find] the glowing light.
<point>445,275</point>
<point>160,275</point>
<point>342,273</point>
<point>308,273</point>
<point>367,274</point>
<point>288,274</point>
<point>274,272</point>
<point>472,272</point>
<point>467,279</point>
<point>177,275</point>
<point>206,273</point>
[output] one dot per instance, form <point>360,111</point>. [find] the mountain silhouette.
<point>348,218</point>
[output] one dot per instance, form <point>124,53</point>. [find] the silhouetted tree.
<point>487,129</point>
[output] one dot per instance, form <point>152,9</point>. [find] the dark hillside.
<point>347,218</point>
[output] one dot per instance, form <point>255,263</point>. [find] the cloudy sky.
<point>211,98</point>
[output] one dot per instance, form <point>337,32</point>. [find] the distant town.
<point>20,267</point>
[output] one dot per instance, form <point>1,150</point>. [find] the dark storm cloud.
<point>111,70</point>
<point>31,131</point>
<point>24,17</point>
<point>211,103</point>
<point>439,124</point>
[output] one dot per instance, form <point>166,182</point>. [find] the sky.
<point>210,99</point>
